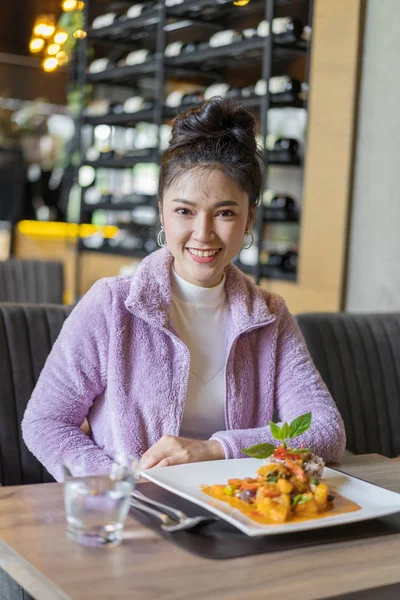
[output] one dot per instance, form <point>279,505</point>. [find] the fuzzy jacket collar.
<point>150,294</point>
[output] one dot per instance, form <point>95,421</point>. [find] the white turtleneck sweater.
<point>198,315</point>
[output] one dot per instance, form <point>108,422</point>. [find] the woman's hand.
<point>170,450</point>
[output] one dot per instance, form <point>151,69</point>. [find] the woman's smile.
<point>203,256</point>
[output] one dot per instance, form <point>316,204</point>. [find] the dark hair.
<point>219,134</point>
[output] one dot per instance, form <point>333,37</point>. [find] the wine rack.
<point>238,64</point>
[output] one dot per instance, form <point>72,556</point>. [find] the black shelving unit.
<point>125,162</point>
<point>115,206</point>
<point>153,30</point>
<point>106,249</point>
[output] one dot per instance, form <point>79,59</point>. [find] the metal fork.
<point>168,523</point>
<point>170,510</point>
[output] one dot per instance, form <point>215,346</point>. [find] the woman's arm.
<point>73,376</point>
<point>298,389</point>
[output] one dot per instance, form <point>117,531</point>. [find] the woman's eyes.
<point>226,213</point>
<point>222,213</point>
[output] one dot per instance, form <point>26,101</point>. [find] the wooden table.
<point>34,550</point>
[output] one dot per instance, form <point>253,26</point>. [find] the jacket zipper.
<point>233,342</point>
<point>186,349</point>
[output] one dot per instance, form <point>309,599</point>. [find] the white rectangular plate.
<point>185,481</point>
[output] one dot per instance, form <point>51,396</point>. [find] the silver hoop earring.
<point>251,235</point>
<point>161,239</point>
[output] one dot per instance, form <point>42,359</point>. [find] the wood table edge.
<point>28,576</point>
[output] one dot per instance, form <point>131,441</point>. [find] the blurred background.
<point>87,93</point>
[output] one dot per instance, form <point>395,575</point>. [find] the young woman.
<point>187,360</point>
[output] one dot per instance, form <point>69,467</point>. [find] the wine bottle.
<point>282,89</point>
<point>281,207</point>
<point>285,151</point>
<point>290,261</point>
<point>137,103</point>
<point>104,20</point>
<point>224,38</point>
<point>274,260</point>
<point>136,57</point>
<point>216,89</point>
<point>192,98</point>
<point>173,49</point>
<point>189,47</point>
<point>285,30</point>
<point>100,64</point>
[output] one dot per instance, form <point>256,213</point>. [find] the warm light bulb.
<point>69,5</point>
<point>79,34</point>
<point>80,5</point>
<point>53,49</point>
<point>48,30</point>
<point>62,57</point>
<point>39,28</point>
<point>50,64</point>
<point>241,2</point>
<point>60,36</point>
<point>36,45</point>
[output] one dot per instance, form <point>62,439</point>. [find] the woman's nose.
<point>203,229</point>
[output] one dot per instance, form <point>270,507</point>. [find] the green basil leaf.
<point>259,451</point>
<point>300,425</point>
<point>285,431</point>
<point>296,500</point>
<point>299,499</point>
<point>276,431</point>
<point>304,500</point>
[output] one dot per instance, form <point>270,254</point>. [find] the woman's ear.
<point>251,218</point>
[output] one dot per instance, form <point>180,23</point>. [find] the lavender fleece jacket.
<point>118,363</point>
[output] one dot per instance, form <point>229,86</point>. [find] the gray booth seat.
<point>358,356</point>
<point>34,281</point>
<point>27,333</point>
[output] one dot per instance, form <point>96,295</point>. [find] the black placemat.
<point>219,539</point>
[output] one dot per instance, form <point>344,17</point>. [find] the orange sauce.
<point>339,506</point>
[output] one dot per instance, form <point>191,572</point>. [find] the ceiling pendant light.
<point>53,28</point>
<point>69,5</point>
<point>79,34</point>
<point>50,64</point>
<point>60,37</point>
<point>36,45</point>
<point>53,49</point>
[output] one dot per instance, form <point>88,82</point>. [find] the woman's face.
<point>205,215</point>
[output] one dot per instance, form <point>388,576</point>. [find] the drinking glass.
<point>96,506</point>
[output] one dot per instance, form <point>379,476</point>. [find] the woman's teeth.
<point>204,253</point>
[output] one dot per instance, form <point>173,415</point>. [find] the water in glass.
<point>96,509</point>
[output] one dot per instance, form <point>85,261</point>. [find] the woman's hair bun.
<point>217,118</point>
<point>220,133</point>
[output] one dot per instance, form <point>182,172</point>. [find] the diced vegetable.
<point>321,495</point>
<point>285,486</point>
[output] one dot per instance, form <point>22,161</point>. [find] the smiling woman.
<point>188,360</point>
<point>209,188</point>
<point>205,215</point>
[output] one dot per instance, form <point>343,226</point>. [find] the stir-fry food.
<point>288,487</point>
<point>281,491</point>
